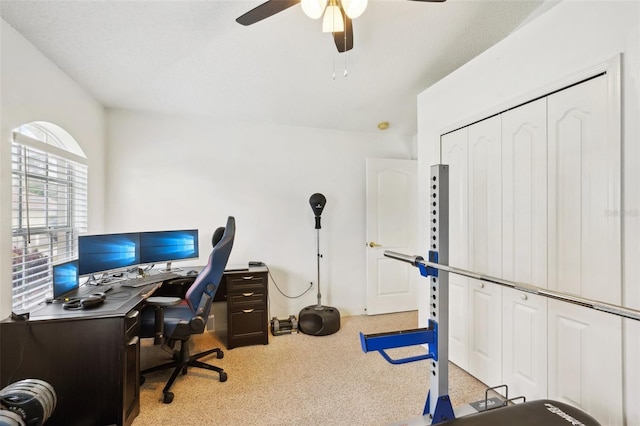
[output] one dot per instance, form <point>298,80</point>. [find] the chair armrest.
<point>159,303</point>
<point>162,301</point>
<point>176,287</point>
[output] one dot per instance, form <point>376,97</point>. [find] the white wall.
<point>167,172</point>
<point>32,88</point>
<point>203,171</point>
<point>566,40</point>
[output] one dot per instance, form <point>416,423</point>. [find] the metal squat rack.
<point>436,335</point>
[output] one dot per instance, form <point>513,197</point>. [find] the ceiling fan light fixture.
<point>313,8</point>
<point>354,8</point>
<point>332,21</point>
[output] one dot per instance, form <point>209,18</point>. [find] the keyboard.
<point>90,289</point>
<point>151,279</point>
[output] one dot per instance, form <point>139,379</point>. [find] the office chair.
<point>178,319</point>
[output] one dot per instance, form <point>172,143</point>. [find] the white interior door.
<point>485,250</point>
<point>524,345</point>
<point>585,249</point>
<point>584,193</point>
<point>454,154</point>
<point>524,255</point>
<point>392,224</point>
<point>585,353</point>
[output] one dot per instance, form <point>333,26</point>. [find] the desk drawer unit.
<point>247,316</point>
<point>92,362</point>
<point>131,366</point>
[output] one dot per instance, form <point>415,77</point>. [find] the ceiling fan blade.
<point>344,40</point>
<point>265,10</point>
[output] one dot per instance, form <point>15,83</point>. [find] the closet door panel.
<point>524,194</point>
<point>524,251</point>
<point>584,194</point>
<point>485,328</point>
<point>524,367</point>
<point>485,250</point>
<point>485,195</point>
<point>584,360</point>
<point>454,153</point>
<point>585,367</point>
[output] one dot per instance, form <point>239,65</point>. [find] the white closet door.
<point>524,365</point>
<point>485,194</point>
<point>485,250</point>
<point>585,367</point>
<point>524,251</point>
<point>454,153</point>
<point>584,360</point>
<point>584,194</point>
<point>524,194</point>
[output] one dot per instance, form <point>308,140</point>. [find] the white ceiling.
<point>191,57</point>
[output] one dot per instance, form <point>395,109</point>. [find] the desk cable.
<point>282,293</point>
<point>285,295</point>
<point>22,345</point>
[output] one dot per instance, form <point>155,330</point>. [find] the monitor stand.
<point>93,280</point>
<point>170,269</point>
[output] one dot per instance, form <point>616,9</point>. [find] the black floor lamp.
<point>318,320</point>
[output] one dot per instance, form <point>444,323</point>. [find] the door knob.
<point>372,244</point>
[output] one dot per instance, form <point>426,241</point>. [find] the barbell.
<point>419,262</point>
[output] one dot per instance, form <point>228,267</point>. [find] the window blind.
<point>49,210</point>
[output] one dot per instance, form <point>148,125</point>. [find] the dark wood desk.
<point>90,357</point>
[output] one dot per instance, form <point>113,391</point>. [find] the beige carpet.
<point>300,380</point>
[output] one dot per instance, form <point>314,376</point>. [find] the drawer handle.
<point>481,285</point>
<point>247,311</point>
<point>523,297</point>
<point>248,294</point>
<point>133,314</point>
<point>250,277</point>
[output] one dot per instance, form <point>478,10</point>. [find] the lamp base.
<point>318,320</point>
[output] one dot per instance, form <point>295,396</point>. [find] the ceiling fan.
<point>337,15</point>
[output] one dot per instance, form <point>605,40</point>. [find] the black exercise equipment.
<point>284,326</point>
<point>27,402</point>
<point>318,320</point>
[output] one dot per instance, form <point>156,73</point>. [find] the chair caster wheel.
<point>223,376</point>
<point>142,379</point>
<point>184,371</point>
<point>167,398</point>
<point>220,355</point>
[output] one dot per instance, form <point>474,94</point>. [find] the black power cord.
<point>282,293</point>
<point>286,295</point>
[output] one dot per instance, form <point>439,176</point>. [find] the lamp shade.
<point>313,8</point>
<point>332,22</point>
<point>354,8</point>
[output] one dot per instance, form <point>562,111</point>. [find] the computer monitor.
<point>166,246</point>
<point>65,278</point>
<point>107,252</point>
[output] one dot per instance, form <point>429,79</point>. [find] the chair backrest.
<point>201,292</point>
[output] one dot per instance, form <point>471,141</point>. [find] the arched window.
<point>49,205</point>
